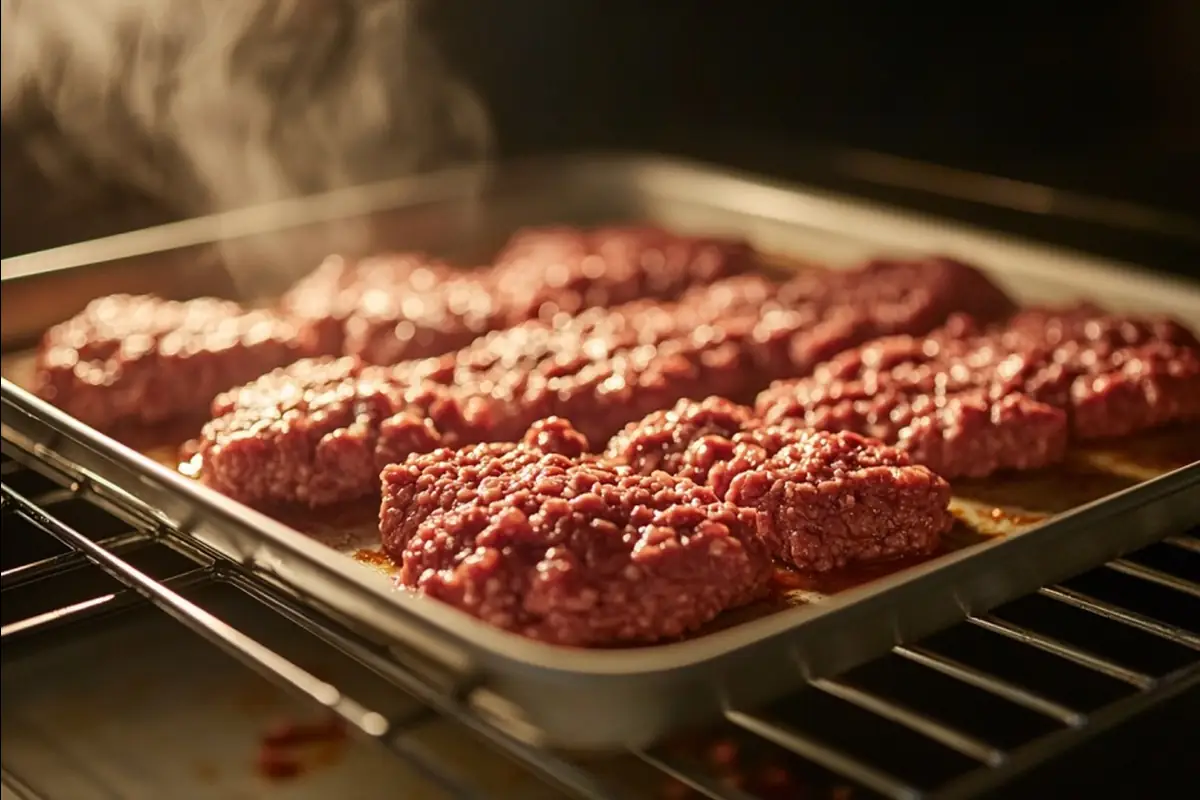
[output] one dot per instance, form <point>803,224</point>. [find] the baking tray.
<point>628,697</point>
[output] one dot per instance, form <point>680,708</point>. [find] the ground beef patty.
<point>969,403</point>
<point>883,297</point>
<point>568,551</point>
<point>543,272</point>
<point>319,431</point>
<point>312,432</point>
<point>390,307</point>
<point>824,499</point>
<point>819,313</point>
<point>1115,375</point>
<point>139,359</point>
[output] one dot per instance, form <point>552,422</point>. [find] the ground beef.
<point>684,440</point>
<point>556,435</point>
<point>832,312</point>
<point>386,309</point>
<point>454,313</point>
<point>919,292</point>
<point>1089,325</point>
<point>143,360</point>
<point>571,552</point>
<point>824,499</point>
<point>313,432</point>
<point>319,431</point>
<point>1114,375</point>
<point>1004,398</point>
<point>543,272</point>
<point>954,411</point>
<point>391,307</point>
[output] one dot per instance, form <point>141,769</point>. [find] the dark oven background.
<point>1105,102</point>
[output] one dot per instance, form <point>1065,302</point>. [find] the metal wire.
<point>993,764</point>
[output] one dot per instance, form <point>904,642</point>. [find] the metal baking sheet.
<point>628,697</point>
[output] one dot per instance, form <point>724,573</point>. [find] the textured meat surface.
<point>386,309</point>
<point>1006,398</point>
<point>824,499</point>
<point>1115,375</point>
<point>831,312</point>
<point>139,359</point>
<point>953,406</point>
<point>119,361</point>
<point>315,433</point>
<point>543,272</point>
<point>389,328</point>
<point>685,440</point>
<point>319,431</point>
<point>390,307</point>
<point>572,552</point>
<point>310,433</point>
<point>921,292</point>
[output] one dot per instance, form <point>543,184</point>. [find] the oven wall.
<point>1106,102</point>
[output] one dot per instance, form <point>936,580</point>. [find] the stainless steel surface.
<point>79,721</point>
<point>535,692</point>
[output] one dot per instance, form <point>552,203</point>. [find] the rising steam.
<point>211,105</point>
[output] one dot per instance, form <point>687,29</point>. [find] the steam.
<point>211,105</point>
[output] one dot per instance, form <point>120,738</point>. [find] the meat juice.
<point>292,748</point>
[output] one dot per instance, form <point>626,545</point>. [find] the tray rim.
<point>472,634</point>
<point>825,209</point>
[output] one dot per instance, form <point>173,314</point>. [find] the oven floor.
<point>135,706</point>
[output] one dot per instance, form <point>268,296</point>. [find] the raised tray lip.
<point>764,196</point>
<point>471,634</point>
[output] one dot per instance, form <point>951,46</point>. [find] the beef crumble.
<point>825,500</point>
<point>884,297</point>
<point>313,432</point>
<point>969,403</point>
<point>319,432</point>
<point>573,552</point>
<point>390,307</point>
<point>382,309</point>
<point>1114,375</point>
<point>386,309</point>
<point>139,359</point>
<point>543,272</point>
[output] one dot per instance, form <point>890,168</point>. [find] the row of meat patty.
<point>143,360</point>
<point>544,539</point>
<point>610,437</point>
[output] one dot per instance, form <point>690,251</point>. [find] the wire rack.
<point>954,715</point>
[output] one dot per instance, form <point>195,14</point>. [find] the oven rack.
<point>952,716</point>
